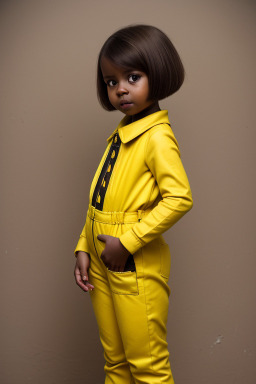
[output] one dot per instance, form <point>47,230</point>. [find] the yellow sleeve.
<point>162,157</point>
<point>82,244</point>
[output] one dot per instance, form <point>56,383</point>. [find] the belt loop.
<point>117,217</point>
<point>140,214</point>
<point>113,217</point>
<point>120,217</point>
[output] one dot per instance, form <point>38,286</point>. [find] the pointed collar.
<point>128,132</point>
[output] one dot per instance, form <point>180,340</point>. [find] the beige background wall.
<point>53,133</point>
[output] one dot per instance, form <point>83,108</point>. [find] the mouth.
<point>125,104</point>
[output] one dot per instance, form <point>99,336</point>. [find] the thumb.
<point>84,276</point>
<point>81,273</point>
<point>102,238</point>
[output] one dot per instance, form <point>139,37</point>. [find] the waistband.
<point>115,217</point>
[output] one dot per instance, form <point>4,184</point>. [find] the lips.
<point>125,103</point>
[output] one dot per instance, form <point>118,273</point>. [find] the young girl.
<point>140,189</point>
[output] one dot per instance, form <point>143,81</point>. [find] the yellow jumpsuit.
<point>147,191</point>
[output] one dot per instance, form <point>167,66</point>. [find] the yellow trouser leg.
<point>131,309</point>
<point>116,367</point>
<point>142,319</point>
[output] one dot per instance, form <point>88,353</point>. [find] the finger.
<point>81,280</point>
<point>84,276</point>
<point>80,283</point>
<point>83,270</point>
<point>119,268</point>
<point>102,238</point>
<point>90,286</point>
<point>85,280</point>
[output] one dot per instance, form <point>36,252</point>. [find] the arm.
<point>162,157</point>
<point>82,263</point>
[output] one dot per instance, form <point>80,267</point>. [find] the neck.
<point>152,108</point>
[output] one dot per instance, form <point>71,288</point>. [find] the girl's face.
<point>128,89</point>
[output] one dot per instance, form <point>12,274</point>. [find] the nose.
<point>121,89</point>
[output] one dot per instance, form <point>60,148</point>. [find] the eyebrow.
<point>108,77</point>
<point>126,71</point>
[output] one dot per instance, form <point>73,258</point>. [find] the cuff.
<point>131,242</point>
<point>82,245</point>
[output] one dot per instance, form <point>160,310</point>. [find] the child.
<point>140,189</point>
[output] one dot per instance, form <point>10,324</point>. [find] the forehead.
<point>109,69</point>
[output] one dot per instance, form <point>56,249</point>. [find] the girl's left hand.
<point>114,255</point>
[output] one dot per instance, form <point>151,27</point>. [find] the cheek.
<point>144,91</point>
<point>143,95</point>
<point>111,96</point>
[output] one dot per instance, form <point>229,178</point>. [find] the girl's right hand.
<point>81,271</point>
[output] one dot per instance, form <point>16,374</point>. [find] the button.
<point>98,199</point>
<point>109,168</point>
<point>115,139</point>
<point>113,155</point>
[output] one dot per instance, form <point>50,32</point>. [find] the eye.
<point>133,78</point>
<point>111,83</point>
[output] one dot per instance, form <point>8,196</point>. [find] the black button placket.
<point>101,189</point>
<point>106,172</point>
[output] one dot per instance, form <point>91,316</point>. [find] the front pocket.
<point>123,283</point>
<point>165,261</point>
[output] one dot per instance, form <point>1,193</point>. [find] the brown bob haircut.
<point>146,49</point>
